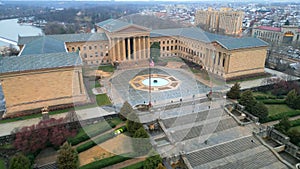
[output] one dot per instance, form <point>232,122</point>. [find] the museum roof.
<point>43,44</point>
<point>83,37</point>
<point>229,43</point>
<point>112,25</point>
<point>39,61</point>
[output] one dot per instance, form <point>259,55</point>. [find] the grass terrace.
<point>103,99</point>
<point>107,68</point>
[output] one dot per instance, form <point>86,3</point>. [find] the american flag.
<point>151,63</point>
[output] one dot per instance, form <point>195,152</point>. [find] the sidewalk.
<point>7,128</point>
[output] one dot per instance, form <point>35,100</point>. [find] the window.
<point>90,47</point>
<point>95,47</point>
<point>73,49</point>
<point>163,42</point>
<point>91,56</point>
<point>167,48</point>
<point>106,54</point>
<point>84,48</point>
<point>101,54</point>
<point>78,48</point>
<point>85,55</point>
<point>96,54</point>
<point>171,47</point>
<point>163,48</point>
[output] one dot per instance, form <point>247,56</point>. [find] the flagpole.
<point>149,83</point>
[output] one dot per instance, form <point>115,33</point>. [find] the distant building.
<point>225,21</point>
<point>279,35</point>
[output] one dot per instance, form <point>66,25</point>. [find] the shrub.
<point>84,136</point>
<point>94,142</point>
<point>273,101</point>
<point>106,162</point>
<point>281,115</point>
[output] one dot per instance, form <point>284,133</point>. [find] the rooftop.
<point>84,37</point>
<point>39,61</point>
<point>227,42</point>
<point>43,44</point>
<point>112,25</point>
<point>269,28</point>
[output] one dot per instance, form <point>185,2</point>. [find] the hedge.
<point>295,122</point>
<point>94,142</point>
<point>273,101</point>
<point>281,115</point>
<point>264,97</point>
<point>139,165</point>
<point>83,137</point>
<point>106,162</point>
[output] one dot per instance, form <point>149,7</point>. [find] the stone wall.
<point>37,89</point>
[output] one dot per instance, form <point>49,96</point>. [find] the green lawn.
<point>2,164</point>
<point>107,68</point>
<point>102,99</point>
<point>296,127</point>
<point>277,109</point>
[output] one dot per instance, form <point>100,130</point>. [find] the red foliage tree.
<point>35,137</point>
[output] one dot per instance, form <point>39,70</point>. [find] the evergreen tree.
<point>126,109</point>
<point>260,110</point>
<point>234,92</point>
<point>284,125</point>
<point>133,123</point>
<point>155,51</point>
<point>247,100</point>
<point>294,135</point>
<point>67,157</point>
<point>152,162</point>
<point>141,133</point>
<point>19,161</point>
<point>291,98</point>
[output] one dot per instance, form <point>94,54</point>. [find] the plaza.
<point>120,89</point>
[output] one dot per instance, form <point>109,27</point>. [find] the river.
<point>10,29</point>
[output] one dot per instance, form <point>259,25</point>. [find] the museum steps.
<point>203,129</point>
<point>243,153</point>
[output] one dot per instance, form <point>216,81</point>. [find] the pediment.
<point>133,28</point>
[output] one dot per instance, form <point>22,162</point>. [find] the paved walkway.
<point>7,128</point>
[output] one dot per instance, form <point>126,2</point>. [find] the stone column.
<point>148,47</point>
<point>112,53</point>
<point>134,48</point>
<point>123,49</point>
<point>144,47</point>
<point>128,48</point>
<point>139,48</point>
<point>119,49</point>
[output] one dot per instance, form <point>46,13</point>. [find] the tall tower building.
<point>224,21</point>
